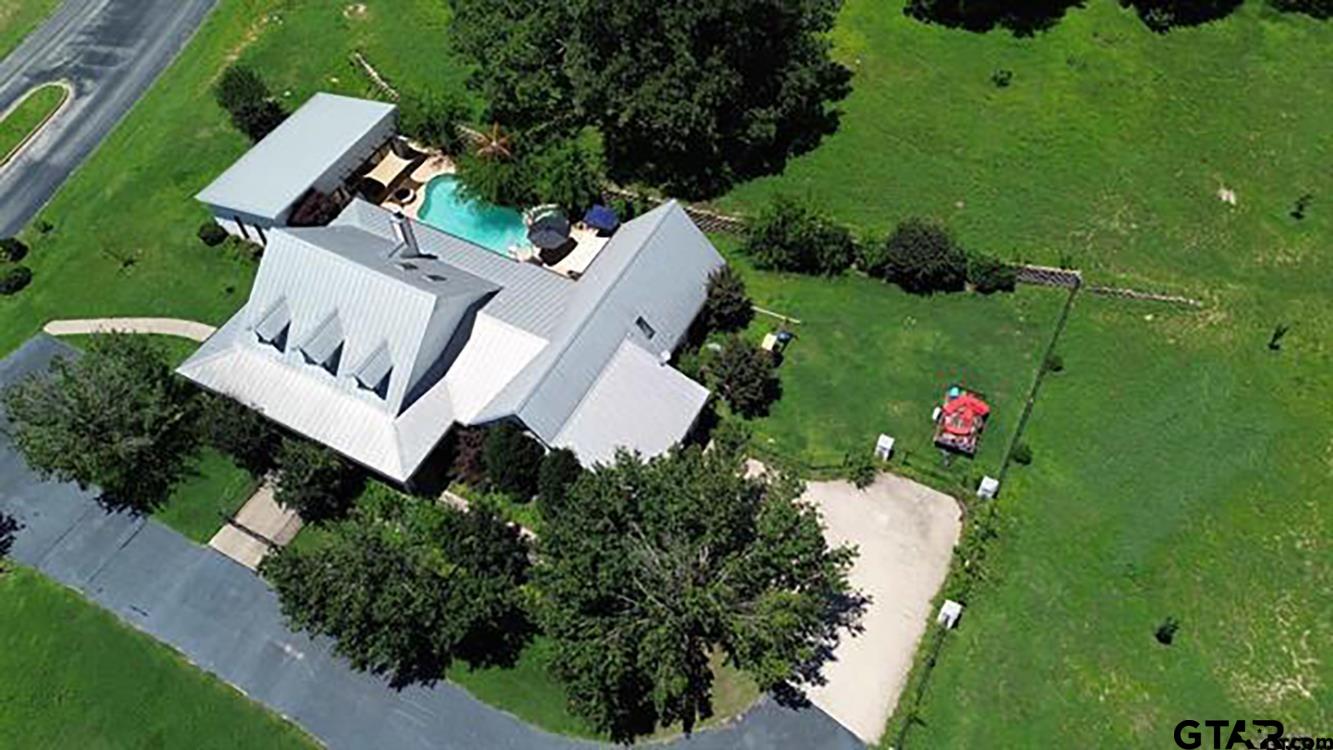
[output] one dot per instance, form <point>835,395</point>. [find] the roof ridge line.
<point>583,324</point>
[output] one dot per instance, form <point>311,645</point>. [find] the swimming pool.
<point>493,227</point>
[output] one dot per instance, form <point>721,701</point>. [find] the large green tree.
<point>405,586</point>
<point>651,568</point>
<point>115,417</point>
<point>690,95</point>
<point>313,480</point>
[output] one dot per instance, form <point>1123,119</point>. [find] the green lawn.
<point>32,112</point>
<point>1180,470</point>
<point>1108,148</point>
<point>869,358</point>
<point>215,486</point>
<point>76,677</point>
<point>18,18</point>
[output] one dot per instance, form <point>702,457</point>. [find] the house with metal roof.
<point>375,334</point>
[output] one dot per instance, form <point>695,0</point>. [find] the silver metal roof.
<point>271,176</point>
<point>638,403</point>
<point>465,335</point>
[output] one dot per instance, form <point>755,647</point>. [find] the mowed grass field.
<point>1180,471</point>
<point>1107,149</point>
<point>869,358</point>
<point>75,677</point>
<point>18,18</point>
<point>1178,461</point>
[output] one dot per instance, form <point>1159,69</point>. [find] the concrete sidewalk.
<point>258,523</point>
<point>226,620</point>
<point>186,329</point>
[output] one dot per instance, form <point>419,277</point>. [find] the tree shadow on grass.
<point>1021,19</point>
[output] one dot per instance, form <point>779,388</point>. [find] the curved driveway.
<point>226,620</point>
<point>110,51</point>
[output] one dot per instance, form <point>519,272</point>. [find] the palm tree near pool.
<point>495,144</point>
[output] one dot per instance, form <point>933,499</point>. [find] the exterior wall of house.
<point>243,225</point>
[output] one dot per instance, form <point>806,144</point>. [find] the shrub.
<point>246,98</point>
<point>1054,363</point>
<point>860,469</point>
<point>1313,8</point>
<point>313,480</point>
<point>14,279</point>
<point>922,258</point>
<point>1002,77</point>
<point>988,274</point>
<point>872,258</point>
<point>791,236</point>
<point>1022,454</point>
<point>728,308</point>
<point>559,469</point>
<point>1303,203</point>
<point>513,461</point>
<point>239,87</point>
<point>431,118</point>
<point>211,234</point>
<point>12,250</point>
<point>743,375</point>
<point>1166,632</point>
<point>1163,15</point>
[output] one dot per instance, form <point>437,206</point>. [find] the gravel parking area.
<point>905,533</point>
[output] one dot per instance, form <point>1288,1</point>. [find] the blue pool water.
<point>493,227</point>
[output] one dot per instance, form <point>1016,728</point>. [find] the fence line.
<point>1067,278</point>
<point>1135,294</point>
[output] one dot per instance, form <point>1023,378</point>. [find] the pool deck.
<point>430,169</point>
<point>587,242</point>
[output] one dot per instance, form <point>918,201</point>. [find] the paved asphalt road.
<point>109,51</point>
<point>226,620</point>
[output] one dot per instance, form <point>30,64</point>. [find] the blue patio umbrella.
<point>601,218</point>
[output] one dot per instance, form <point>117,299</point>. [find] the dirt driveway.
<point>905,533</point>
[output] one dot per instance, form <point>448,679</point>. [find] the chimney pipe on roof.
<point>402,226</point>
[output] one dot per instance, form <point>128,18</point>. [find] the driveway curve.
<point>109,51</point>
<point>226,620</point>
